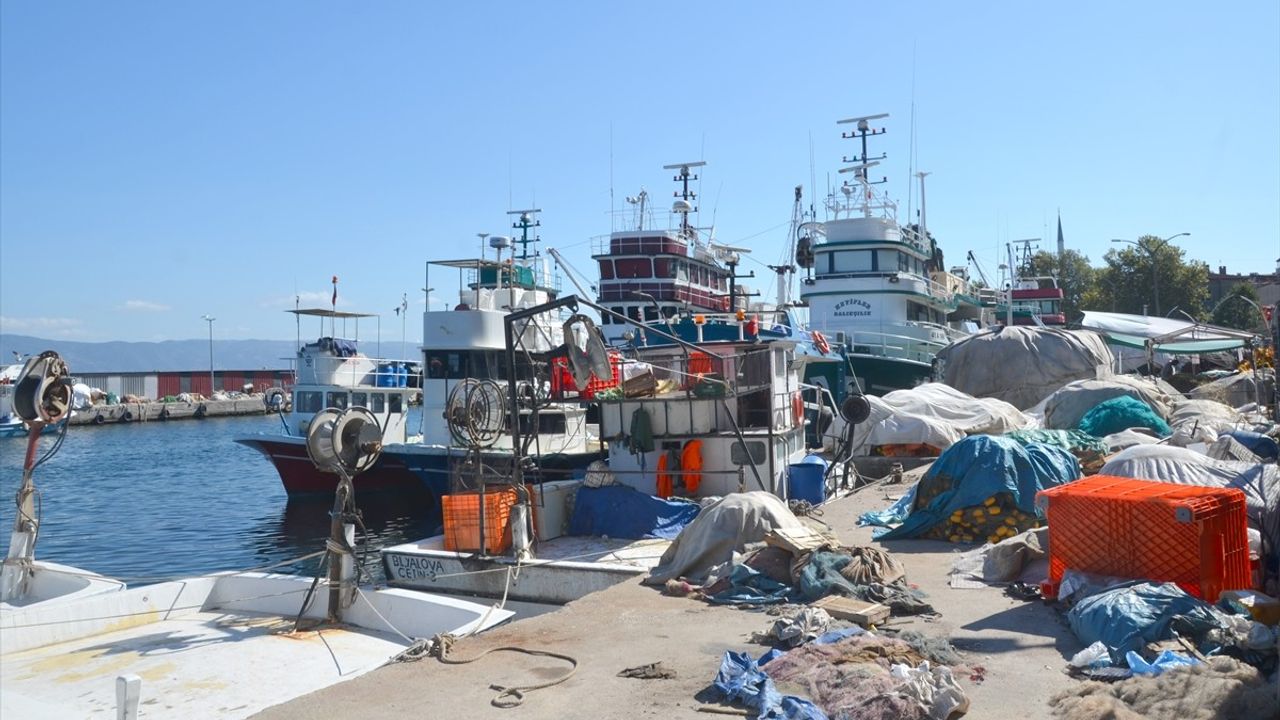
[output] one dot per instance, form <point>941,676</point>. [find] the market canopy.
<point>1166,335</point>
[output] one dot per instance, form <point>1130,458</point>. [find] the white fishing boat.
<point>697,407</point>
<point>331,371</point>
<point>226,645</point>
<point>879,288</point>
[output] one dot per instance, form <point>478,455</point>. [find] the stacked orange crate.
<point>1193,536</point>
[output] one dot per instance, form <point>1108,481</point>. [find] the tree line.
<point>1152,276</point>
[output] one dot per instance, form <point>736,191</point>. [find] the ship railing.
<point>659,241</point>
<point>893,345</point>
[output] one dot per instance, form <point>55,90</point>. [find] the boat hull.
<point>400,468</point>
<point>879,375</point>
<point>301,477</point>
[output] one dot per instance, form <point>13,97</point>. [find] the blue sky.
<point>160,161</point>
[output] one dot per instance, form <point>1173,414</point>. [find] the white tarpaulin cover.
<point>1064,409</point>
<point>1203,420</point>
<point>1023,365</point>
<point>718,532</point>
<point>933,414</point>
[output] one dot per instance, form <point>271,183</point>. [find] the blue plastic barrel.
<point>402,374</point>
<point>386,376</point>
<point>807,481</point>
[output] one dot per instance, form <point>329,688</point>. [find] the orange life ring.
<point>820,341</point>
<point>797,408</point>
<point>691,465</point>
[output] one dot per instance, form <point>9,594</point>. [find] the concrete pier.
<point>161,411</point>
<point>1018,649</point>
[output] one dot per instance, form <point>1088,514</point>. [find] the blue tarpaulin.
<point>622,512</point>
<point>973,470</point>
<point>1127,617</point>
<point>740,678</point>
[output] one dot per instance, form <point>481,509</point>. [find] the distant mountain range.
<point>167,356</point>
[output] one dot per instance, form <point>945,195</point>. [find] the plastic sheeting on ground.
<point>933,414</point>
<point>971,471</point>
<point>741,679</point>
<point>623,512</point>
<point>1023,557</point>
<point>1023,365</point>
<point>718,532</point>
<point>1065,408</point>
<point>1122,413</point>
<point>1260,483</point>
<point>1129,616</point>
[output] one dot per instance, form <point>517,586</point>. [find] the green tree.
<point>1075,276</point>
<point>1127,283</point>
<point>1239,309</point>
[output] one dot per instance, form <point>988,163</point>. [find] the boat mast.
<point>862,162</point>
<point>685,197</point>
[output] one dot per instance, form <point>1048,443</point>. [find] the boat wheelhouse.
<point>649,273</point>
<point>878,288</point>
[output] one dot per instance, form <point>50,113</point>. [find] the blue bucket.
<point>807,481</point>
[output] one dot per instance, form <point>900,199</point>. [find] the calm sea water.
<point>161,499</point>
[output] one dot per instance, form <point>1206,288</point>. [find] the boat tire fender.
<point>201,411</point>
<point>126,416</point>
<point>98,419</point>
<point>164,413</point>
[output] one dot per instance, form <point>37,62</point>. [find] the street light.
<point>209,319</point>
<point>1151,252</point>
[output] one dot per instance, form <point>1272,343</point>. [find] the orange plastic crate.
<point>1192,536</point>
<point>462,520</point>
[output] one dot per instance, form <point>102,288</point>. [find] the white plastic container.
<point>550,507</point>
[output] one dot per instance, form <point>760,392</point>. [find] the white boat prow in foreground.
<point>76,645</point>
<point>220,646</point>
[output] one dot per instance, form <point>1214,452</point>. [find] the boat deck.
<point>564,569</point>
<point>200,665</point>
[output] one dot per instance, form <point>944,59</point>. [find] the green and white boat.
<point>879,288</point>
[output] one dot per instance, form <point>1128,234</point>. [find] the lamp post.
<point>1151,253</point>
<point>209,319</point>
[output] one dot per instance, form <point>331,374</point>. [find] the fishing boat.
<point>654,266</point>
<point>1032,299</point>
<point>226,645</point>
<point>466,431</point>
<point>878,288</point>
<point>695,406</point>
<point>331,371</point>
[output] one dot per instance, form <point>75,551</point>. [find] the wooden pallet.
<point>863,613</point>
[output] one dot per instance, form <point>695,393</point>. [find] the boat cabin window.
<point>359,399</point>
<point>337,400</point>
<point>606,269</point>
<point>664,268</point>
<point>395,403</point>
<point>650,313</point>
<point>308,401</point>
<point>377,403</point>
<point>755,454</point>
<point>620,311</point>
<point>669,311</point>
<point>852,261</point>
<point>633,268</point>
<point>551,423</point>
<point>633,312</point>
